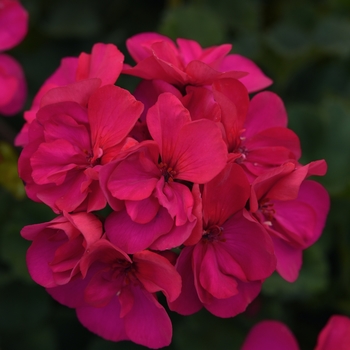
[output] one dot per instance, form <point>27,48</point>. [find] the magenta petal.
<point>39,255</point>
<point>289,259</point>
<point>250,246</point>
<point>177,199</point>
<point>104,321</point>
<point>316,196</point>
<point>201,104</point>
<point>297,221</point>
<point>188,302</point>
<point>165,120</point>
<point>147,323</point>
<point>79,92</point>
<point>175,237</point>
<point>271,335</point>
<point>136,176</point>
<point>156,273</point>
<point>103,286</point>
<point>105,62</point>
<point>335,335</point>
<point>224,195</point>
<point>219,284</point>
<point>255,80</point>
<point>148,91</point>
<point>236,304</point>
<point>132,236</point>
<point>200,153</point>
<point>190,50</point>
<point>112,113</point>
<point>142,211</point>
<point>139,46</point>
<point>266,110</point>
<point>53,160</point>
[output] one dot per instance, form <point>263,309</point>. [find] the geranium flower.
<point>292,210</point>
<point>158,57</point>
<point>105,63</point>
<point>116,299</point>
<point>274,335</point>
<point>223,271</point>
<point>68,144</point>
<point>54,255</point>
<point>154,174</point>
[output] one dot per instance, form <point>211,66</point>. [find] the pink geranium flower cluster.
<point>13,28</point>
<point>203,183</point>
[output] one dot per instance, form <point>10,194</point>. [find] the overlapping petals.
<point>70,143</point>
<point>204,191</point>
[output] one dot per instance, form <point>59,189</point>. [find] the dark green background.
<point>304,46</point>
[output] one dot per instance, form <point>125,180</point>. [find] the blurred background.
<point>304,46</point>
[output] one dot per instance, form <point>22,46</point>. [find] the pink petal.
<point>177,199</point>
<point>317,197</point>
<point>201,104</point>
<point>250,246</point>
<point>147,323</point>
<point>148,91</point>
<point>335,335</point>
<point>223,196</point>
<point>133,237</point>
<point>289,259</point>
<point>255,80</point>
<point>105,62</point>
<point>165,120</point>
<point>236,304</point>
<point>79,92</point>
<point>189,49</point>
<point>112,113</point>
<point>200,73</point>
<point>213,55</point>
<point>175,237</point>
<point>13,24</point>
<point>275,137</point>
<point>296,221</point>
<point>104,321</point>
<point>187,303</point>
<point>156,274</point>
<point>87,224</point>
<point>200,153</point>
<point>139,46</point>
<point>142,211</point>
<point>197,212</point>
<point>266,110</point>
<point>136,176</point>
<point>272,335</point>
<point>39,255</point>
<point>219,284</point>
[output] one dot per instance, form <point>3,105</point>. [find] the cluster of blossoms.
<point>203,188</point>
<point>274,335</point>
<point>13,28</point>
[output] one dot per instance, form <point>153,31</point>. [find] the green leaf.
<point>193,22</point>
<point>332,35</point>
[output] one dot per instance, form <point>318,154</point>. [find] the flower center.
<point>244,152</point>
<point>267,210</point>
<point>167,172</point>
<point>213,234</point>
